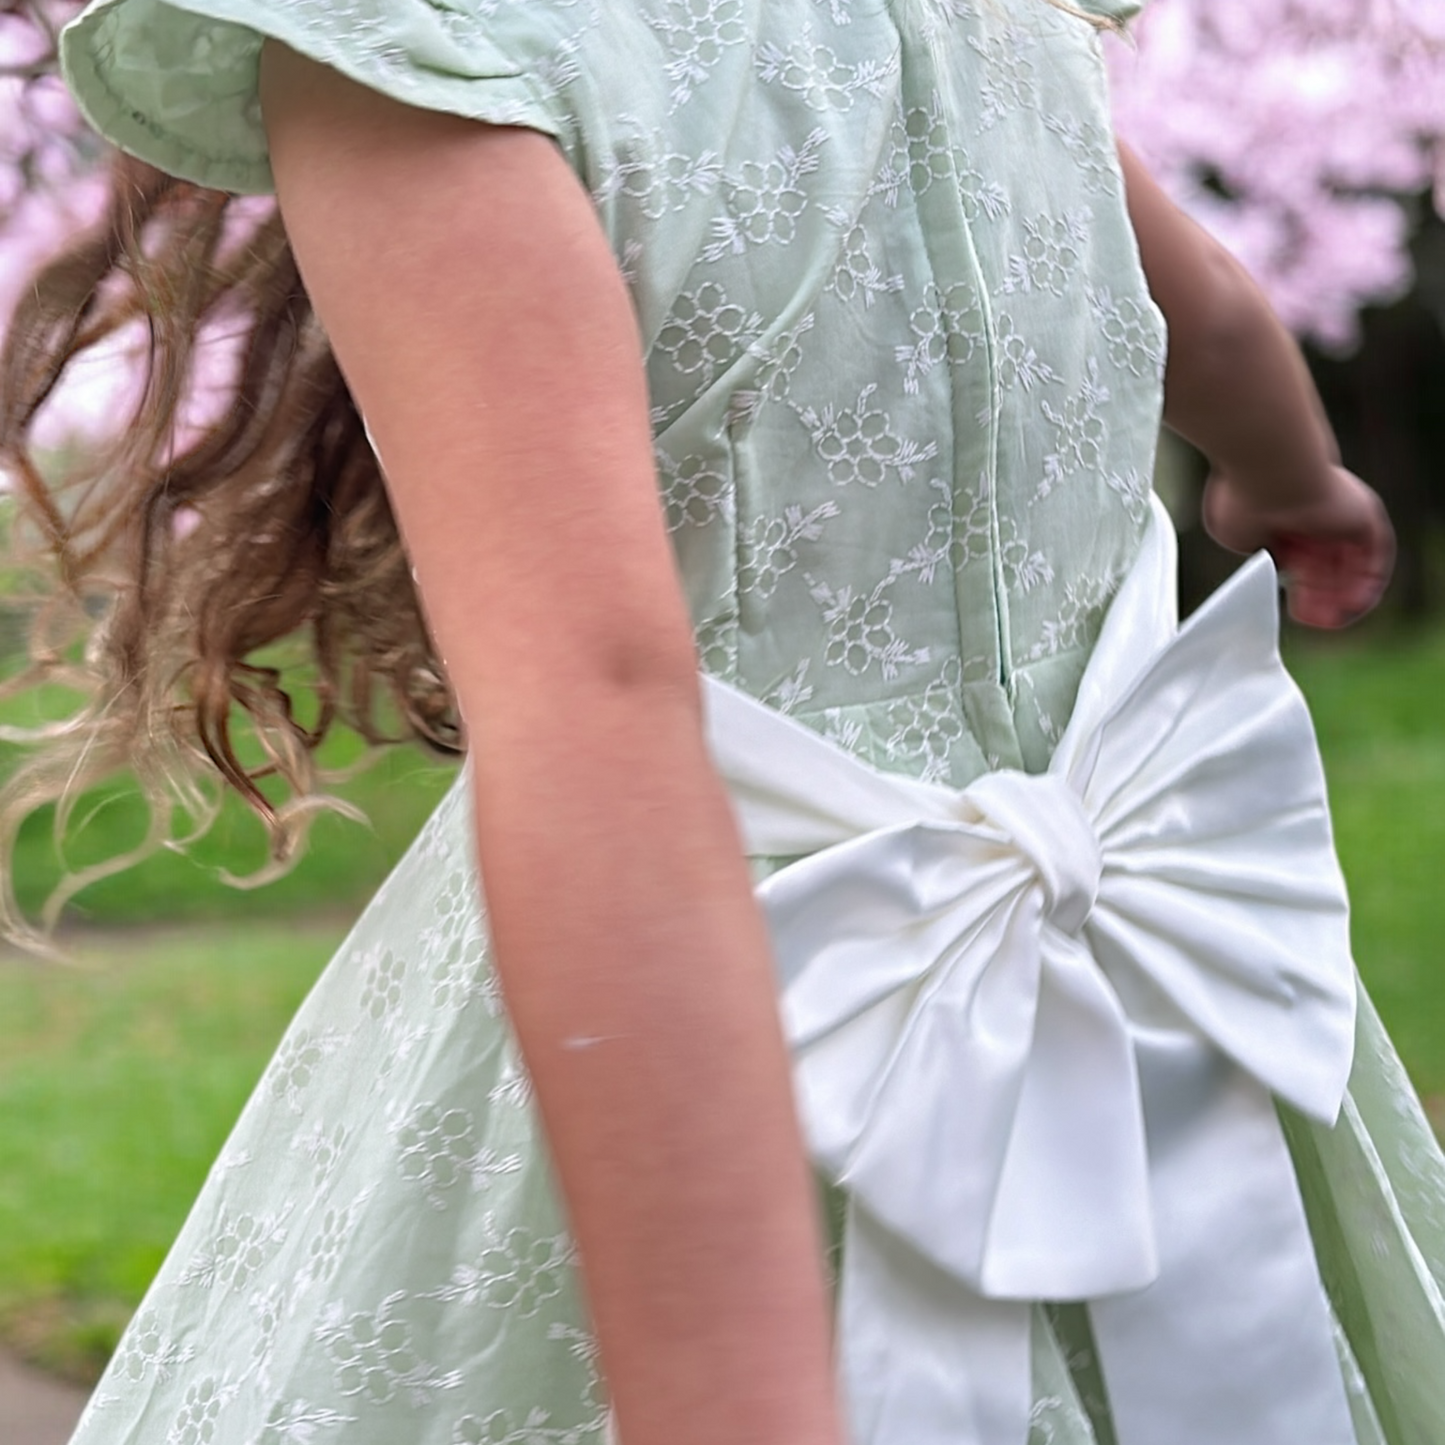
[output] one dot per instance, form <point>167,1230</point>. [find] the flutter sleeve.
<point>174,81</point>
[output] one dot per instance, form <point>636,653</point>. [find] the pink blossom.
<point>1303,133</point>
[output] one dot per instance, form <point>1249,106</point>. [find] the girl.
<point>857,287</point>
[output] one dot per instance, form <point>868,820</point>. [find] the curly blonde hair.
<point>165,565</point>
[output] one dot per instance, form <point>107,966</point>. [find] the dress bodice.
<point>904,368</point>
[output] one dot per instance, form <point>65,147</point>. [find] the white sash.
<point>1037,1024</point>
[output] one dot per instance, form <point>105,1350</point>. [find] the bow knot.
<point>1044,819</point>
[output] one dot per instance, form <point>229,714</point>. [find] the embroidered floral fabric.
<point>904,417</point>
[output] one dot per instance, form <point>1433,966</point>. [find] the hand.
<point>1335,551</point>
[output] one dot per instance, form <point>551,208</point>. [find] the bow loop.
<point>1044,819</point>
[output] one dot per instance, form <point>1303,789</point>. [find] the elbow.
<point>604,678</point>
<point>649,666</point>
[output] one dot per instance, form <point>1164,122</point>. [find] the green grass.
<point>117,1086</point>
<point>118,1083</point>
<point>1379,706</point>
<point>341,867</point>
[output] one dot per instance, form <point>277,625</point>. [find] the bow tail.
<point>1072,1216</point>
<point>924,1359</point>
<point>1233,1342</point>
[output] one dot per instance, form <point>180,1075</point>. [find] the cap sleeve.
<point>174,81</point>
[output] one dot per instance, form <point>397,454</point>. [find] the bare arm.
<point>486,334</point>
<point>1237,387</point>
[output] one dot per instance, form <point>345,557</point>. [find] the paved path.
<point>35,1409</point>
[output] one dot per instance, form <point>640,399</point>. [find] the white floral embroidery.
<point>973,527</point>
<point>502,1428</point>
<point>324,1146</point>
<point>929,558</point>
<point>513,1089</point>
<point>823,80</point>
<point>983,199</point>
<point>242,1246</point>
<point>437,1148</point>
<point>861,634</point>
<point>1081,432</point>
<point>655,180</point>
<point>581,1344</point>
<point>770,546</point>
<point>717,645</point>
<point>1010,80</point>
<point>1133,486</point>
<point>846,732</point>
<point>837,11</point>
<point>460,970</point>
<point>301,1054</point>
<point>329,1239</point>
<point>947,327</point>
<point>148,1353</point>
<point>1025,567</point>
<point>859,277</point>
<point>521,1272</point>
<point>562,67</point>
<point>765,200</point>
<point>298,1422</point>
<point>930,146</point>
<point>699,33</point>
<point>694,490</point>
<point>792,692</point>
<point>268,1309</point>
<point>381,984</point>
<point>943,14</point>
<point>780,356</point>
<point>1019,363</point>
<point>1131,329</point>
<point>858,444</point>
<point>374,1357</point>
<point>928,726</point>
<point>198,1421</point>
<point>706,332</point>
<point>1050,255</point>
<point>1090,147</point>
<point>1078,620</point>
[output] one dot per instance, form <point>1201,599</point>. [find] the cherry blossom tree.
<point>48,180</point>
<point>51,183</point>
<point>1308,135</point>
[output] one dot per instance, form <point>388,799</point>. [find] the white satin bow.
<point>975,984</point>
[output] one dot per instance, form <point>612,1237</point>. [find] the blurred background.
<point>1309,135</point>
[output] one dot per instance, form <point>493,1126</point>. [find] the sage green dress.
<point>905,379</point>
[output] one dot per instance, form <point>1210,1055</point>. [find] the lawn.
<point>118,1084</point>
<point>119,1078</point>
<point>342,866</point>
<point>1379,705</point>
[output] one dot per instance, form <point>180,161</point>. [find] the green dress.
<point>905,378</point>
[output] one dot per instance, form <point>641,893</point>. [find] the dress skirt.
<point>379,1254</point>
